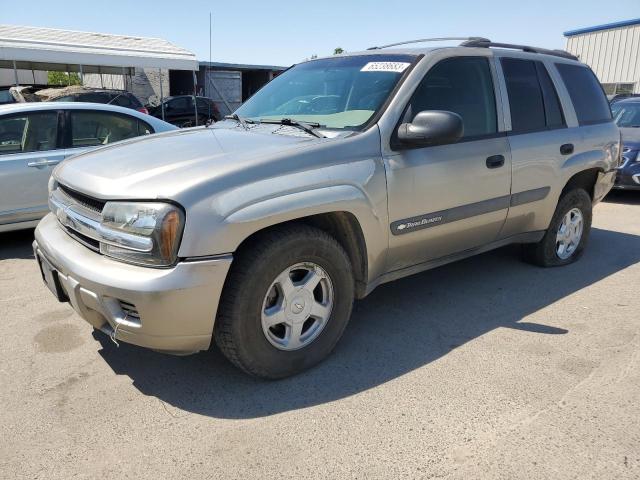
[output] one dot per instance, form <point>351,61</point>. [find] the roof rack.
<point>441,39</point>
<point>485,43</point>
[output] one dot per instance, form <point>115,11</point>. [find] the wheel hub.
<point>297,306</point>
<point>569,233</point>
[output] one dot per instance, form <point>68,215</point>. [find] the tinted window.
<point>34,132</point>
<point>121,101</point>
<point>533,101</point>
<point>6,97</point>
<point>181,103</point>
<point>586,94</point>
<point>525,96</point>
<point>101,128</point>
<point>552,109</point>
<point>461,85</point>
<point>93,97</point>
<point>144,128</point>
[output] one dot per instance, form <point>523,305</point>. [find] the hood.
<point>631,137</point>
<point>163,165</point>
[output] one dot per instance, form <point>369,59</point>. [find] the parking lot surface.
<point>487,368</point>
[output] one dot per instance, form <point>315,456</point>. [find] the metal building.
<point>612,51</point>
<point>227,84</point>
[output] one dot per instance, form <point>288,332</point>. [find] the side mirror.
<point>431,127</point>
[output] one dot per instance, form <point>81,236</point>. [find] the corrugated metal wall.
<point>224,87</point>
<point>614,55</point>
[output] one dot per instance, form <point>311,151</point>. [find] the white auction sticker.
<point>396,67</point>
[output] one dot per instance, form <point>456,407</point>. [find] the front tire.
<point>286,302</point>
<point>568,232</point>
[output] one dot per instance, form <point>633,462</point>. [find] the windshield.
<point>626,115</point>
<point>341,93</point>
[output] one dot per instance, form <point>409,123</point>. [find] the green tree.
<point>63,78</point>
<point>338,51</point>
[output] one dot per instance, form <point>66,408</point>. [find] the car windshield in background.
<point>340,93</point>
<point>627,115</point>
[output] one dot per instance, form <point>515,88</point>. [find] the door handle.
<point>566,149</point>
<point>43,163</point>
<point>38,164</point>
<point>495,161</point>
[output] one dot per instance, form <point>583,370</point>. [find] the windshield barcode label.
<point>396,67</point>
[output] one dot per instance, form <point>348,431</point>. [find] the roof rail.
<point>441,39</point>
<point>484,43</point>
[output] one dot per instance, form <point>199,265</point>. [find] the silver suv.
<point>341,174</point>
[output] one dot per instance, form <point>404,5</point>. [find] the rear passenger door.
<point>540,142</point>
<point>88,129</point>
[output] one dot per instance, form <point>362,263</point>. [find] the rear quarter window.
<point>587,96</point>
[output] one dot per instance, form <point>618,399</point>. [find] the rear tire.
<point>254,289</point>
<point>569,228</point>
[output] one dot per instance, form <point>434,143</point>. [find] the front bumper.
<point>171,309</point>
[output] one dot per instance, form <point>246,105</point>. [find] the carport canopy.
<point>35,48</point>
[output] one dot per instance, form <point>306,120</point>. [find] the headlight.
<point>146,233</point>
<point>52,185</point>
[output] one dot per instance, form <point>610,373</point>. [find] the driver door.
<point>447,199</point>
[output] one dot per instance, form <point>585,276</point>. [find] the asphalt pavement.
<point>486,368</point>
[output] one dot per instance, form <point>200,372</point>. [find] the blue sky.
<point>283,32</point>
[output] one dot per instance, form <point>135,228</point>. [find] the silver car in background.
<point>34,137</point>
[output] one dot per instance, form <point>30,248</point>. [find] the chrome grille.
<point>82,199</point>
<point>81,218</point>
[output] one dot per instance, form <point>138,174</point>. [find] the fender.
<point>232,216</point>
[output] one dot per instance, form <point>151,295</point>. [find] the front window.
<point>627,115</point>
<point>340,93</point>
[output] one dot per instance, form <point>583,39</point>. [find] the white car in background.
<point>34,137</point>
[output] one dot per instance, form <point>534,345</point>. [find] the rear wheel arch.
<point>584,179</point>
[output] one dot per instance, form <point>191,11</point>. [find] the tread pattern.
<point>543,252</point>
<point>256,250</point>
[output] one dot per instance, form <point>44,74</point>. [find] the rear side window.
<point>93,97</point>
<point>144,128</point>
<point>586,94</point>
<point>90,129</point>
<point>121,101</point>
<point>552,109</point>
<point>462,85</point>
<point>126,100</point>
<point>533,101</point>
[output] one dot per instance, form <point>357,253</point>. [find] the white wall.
<point>144,84</point>
<point>25,77</point>
<point>614,55</point>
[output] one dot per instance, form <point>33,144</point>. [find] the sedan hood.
<point>163,165</point>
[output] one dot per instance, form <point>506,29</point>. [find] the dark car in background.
<point>119,98</point>
<point>179,110</point>
<point>627,116</point>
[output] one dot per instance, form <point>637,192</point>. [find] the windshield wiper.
<point>241,120</point>
<point>309,127</point>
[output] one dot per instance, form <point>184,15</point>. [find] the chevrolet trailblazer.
<point>342,173</point>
